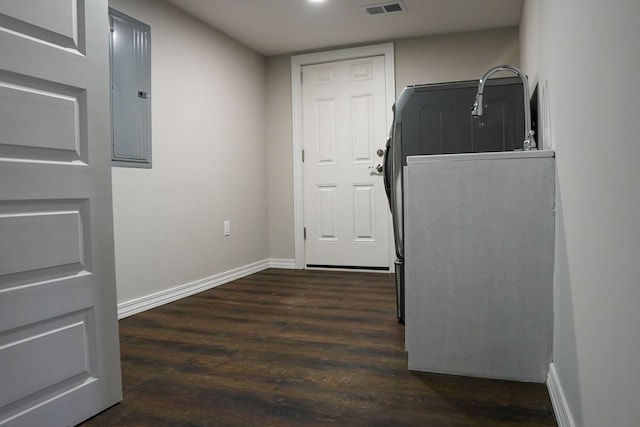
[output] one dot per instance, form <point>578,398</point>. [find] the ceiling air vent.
<point>379,9</point>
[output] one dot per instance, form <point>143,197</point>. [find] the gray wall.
<point>530,40</point>
<point>451,57</point>
<point>279,157</point>
<point>209,160</point>
<point>588,59</point>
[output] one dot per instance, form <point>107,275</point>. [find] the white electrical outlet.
<point>227,228</point>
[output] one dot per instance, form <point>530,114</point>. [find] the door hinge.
<point>301,77</point>
<point>302,156</point>
<point>304,233</point>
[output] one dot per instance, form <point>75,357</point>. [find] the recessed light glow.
<point>317,1</point>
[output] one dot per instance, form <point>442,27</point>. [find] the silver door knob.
<point>380,152</point>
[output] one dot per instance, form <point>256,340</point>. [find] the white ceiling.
<point>274,27</point>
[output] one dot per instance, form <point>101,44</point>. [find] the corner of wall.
<point>558,399</point>
<point>529,40</point>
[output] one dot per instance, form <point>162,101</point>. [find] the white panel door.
<point>59,354</point>
<point>346,215</point>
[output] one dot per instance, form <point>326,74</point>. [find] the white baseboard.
<point>558,399</point>
<point>289,264</point>
<point>148,302</point>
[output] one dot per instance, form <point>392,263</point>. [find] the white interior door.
<point>59,354</point>
<point>346,216</point>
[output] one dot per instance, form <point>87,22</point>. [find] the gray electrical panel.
<point>130,61</point>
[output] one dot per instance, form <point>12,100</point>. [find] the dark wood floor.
<point>297,348</point>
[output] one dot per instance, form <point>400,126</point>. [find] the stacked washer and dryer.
<point>436,119</point>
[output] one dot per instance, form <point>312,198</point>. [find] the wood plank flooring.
<point>297,348</point>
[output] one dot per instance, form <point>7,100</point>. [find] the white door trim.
<point>297,62</point>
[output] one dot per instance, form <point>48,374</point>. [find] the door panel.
<point>51,114</point>
<point>58,22</point>
<point>59,355</point>
<point>48,240</point>
<point>326,131</point>
<point>327,213</point>
<point>344,123</point>
<point>66,363</point>
<point>364,202</point>
<point>361,116</point>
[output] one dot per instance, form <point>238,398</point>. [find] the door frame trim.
<point>297,62</point>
